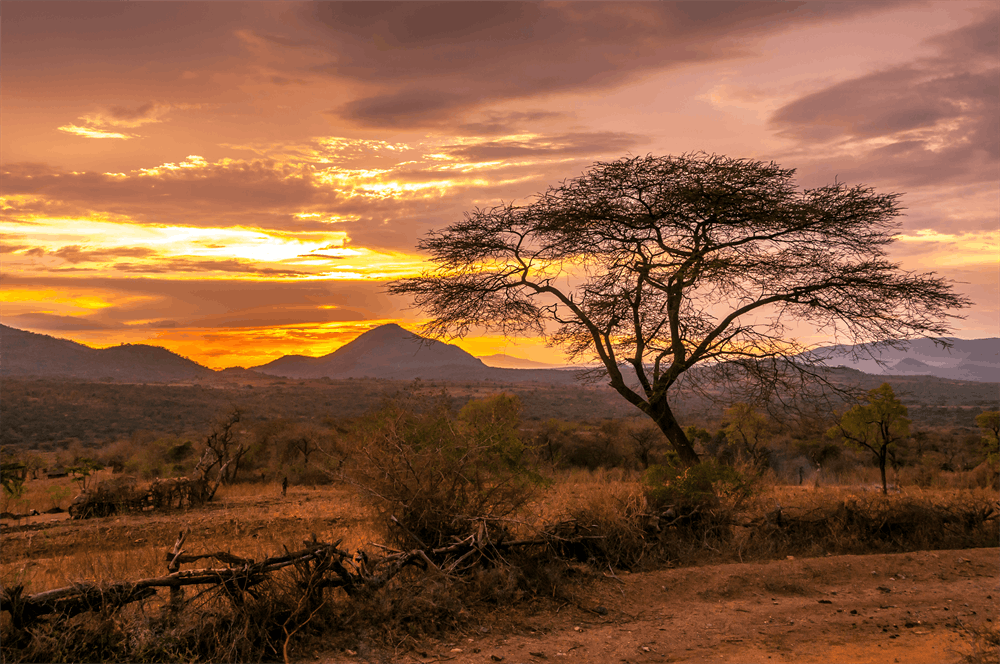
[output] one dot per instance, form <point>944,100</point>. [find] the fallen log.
<point>354,573</point>
<point>82,597</point>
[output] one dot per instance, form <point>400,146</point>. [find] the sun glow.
<point>101,246</point>
<point>90,132</point>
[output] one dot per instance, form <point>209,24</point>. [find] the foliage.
<point>434,477</point>
<point>695,487</point>
<point>675,262</point>
<point>752,429</point>
<point>989,423</point>
<point>82,469</point>
<point>12,476</point>
<point>492,424</point>
<point>645,442</point>
<point>877,426</point>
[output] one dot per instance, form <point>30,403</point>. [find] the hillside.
<point>504,361</point>
<point>392,353</point>
<point>967,359</point>
<point>29,354</point>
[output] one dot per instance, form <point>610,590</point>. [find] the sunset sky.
<point>237,181</point>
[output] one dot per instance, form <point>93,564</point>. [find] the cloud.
<point>193,192</point>
<point>432,62</point>
<point>491,123</point>
<point>182,265</point>
<point>587,143</point>
<point>44,321</point>
<point>91,132</point>
<point>128,116</point>
<point>930,121</point>
<point>105,122</point>
<point>77,254</point>
<point>138,300</point>
<point>382,194</point>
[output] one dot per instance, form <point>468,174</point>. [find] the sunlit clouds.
<point>237,181</point>
<point>91,132</point>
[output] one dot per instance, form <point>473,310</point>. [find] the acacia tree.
<point>655,265</point>
<point>877,426</point>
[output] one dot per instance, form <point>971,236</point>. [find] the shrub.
<point>707,484</point>
<point>433,477</point>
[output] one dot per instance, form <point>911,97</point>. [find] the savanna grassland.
<point>582,539</point>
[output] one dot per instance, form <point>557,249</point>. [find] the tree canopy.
<point>876,426</point>
<point>653,265</point>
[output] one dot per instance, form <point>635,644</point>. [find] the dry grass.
<point>985,646</point>
<point>253,520</point>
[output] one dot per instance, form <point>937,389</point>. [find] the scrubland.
<point>800,558</point>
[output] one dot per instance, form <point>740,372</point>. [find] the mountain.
<point>29,354</point>
<point>390,352</point>
<point>967,359</point>
<point>504,361</point>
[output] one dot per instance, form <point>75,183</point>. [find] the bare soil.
<point>910,607</point>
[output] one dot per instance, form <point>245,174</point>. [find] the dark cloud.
<point>493,123</point>
<point>77,254</point>
<point>565,144</point>
<point>403,108</point>
<point>937,119</point>
<point>43,321</point>
<point>435,60</point>
<point>323,256</point>
<point>888,102</point>
<point>136,113</point>
<point>231,193</point>
<point>180,265</point>
<point>202,303</point>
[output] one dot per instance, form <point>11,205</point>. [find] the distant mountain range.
<point>390,352</point>
<point>29,354</point>
<point>967,359</point>
<point>504,361</point>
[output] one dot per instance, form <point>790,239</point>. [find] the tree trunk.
<point>664,419</point>
<point>881,467</point>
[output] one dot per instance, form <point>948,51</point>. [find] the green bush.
<point>707,484</point>
<point>435,477</point>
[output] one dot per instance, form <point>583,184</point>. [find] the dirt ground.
<point>909,607</point>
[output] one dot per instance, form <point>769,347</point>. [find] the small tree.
<point>12,476</point>
<point>434,477</point>
<point>82,469</point>
<point>877,426</point>
<point>989,423</point>
<point>751,429</point>
<point>656,265</point>
<point>222,451</point>
<point>645,440</point>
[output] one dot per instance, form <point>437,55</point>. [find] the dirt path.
<point>876,608</point>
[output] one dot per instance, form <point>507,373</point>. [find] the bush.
<point>707,484</point>
<point>434,477</point>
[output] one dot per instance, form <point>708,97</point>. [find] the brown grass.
<point>253,520</point>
